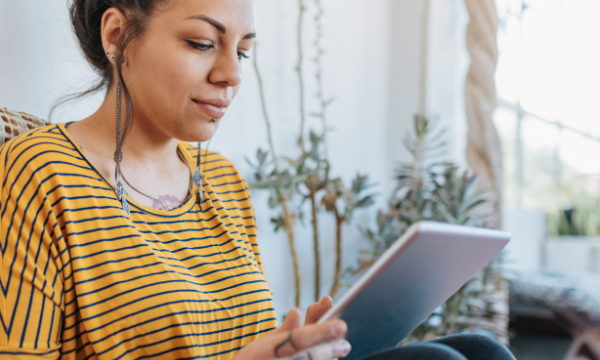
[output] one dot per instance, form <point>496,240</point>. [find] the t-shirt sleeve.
<point>31,302</point>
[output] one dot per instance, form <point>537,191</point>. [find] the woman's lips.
<point>214,108</point>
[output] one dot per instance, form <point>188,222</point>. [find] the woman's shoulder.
<point>36,149</point>
<point>47,135</point>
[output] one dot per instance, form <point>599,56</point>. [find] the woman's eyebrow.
<point>220,27</point>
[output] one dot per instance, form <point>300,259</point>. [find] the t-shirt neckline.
<point>184,208</point>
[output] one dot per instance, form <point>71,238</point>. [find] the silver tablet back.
<point>428,264</point>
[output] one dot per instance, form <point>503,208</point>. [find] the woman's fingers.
<point>290,342</point>
<point>292,320</point>
<point>327,351</point>
<point>318,309</point>
<point>308,342</point>
<point>311,335</point>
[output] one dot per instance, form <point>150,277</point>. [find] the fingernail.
<point>339,328</point>
<point>343,348</point>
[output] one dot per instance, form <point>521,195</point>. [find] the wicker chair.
<point>15,123</point>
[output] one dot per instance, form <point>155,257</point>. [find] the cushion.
<point>16,123</point>
<point>575,297</point>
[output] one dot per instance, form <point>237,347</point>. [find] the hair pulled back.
<point>86,20</point>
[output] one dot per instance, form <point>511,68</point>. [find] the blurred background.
<point>513,83</point>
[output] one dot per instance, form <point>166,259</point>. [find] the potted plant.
<point>430,189</point>
<point>573,237</point>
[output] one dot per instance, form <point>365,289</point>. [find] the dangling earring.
<point>198,175</point>
<point>118,157</point>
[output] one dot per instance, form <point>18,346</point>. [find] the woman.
<point>122,241</point>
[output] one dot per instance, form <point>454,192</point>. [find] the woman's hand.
<point>309,342</point>
<point>318,309</point>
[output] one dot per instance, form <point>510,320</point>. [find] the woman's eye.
<point>201,47</point>
<point>204,47</point>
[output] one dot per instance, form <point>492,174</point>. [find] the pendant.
<point>120,191</point>
<point>126,206</point>
<point>198,182</point>
<point>197,178</point>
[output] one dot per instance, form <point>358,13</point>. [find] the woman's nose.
<point>227,69</point>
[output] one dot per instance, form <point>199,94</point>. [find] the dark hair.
<point>86,20</point>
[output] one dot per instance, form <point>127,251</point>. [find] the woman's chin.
<point>199,133</point>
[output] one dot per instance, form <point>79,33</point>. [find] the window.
<point>548,114</point>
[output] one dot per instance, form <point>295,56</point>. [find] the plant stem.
<point>289,217</point>
<point>289,220</point>
<point>313,204</point>
<point>456,300</point>
<point>300,73</point>
<point>423,57</point>
<point>264,108</point>
<point>319,72</point>
<point>339,220</point>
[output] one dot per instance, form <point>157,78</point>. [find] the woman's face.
<point>185,68</point>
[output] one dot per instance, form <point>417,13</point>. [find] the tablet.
<point>416,275</point>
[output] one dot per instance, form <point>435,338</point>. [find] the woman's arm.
<point>31,301</point>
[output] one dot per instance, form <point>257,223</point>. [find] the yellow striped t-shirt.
<point>82,280</point>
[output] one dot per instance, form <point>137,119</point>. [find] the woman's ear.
<point>112,26</point>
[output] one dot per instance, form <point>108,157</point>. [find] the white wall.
<point>40,59</point>
<point>528,230</point>
<point>371,67</point>
<point>448,63</point>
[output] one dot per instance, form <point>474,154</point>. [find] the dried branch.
<point>316,245</point>
<point>320,94</point>
<point>288,218</point>
<point>282,177</point>
<point>261,92</point>
<point>299,70</point>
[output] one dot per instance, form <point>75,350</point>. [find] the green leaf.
<point>365,202</point>
<point>273,198</point>
<point>261,156</point>
<point>278,222</point>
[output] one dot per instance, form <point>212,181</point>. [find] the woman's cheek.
<point>189,70</point>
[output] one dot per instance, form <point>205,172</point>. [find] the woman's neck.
<point>150,159</point>
<point>143,142</point>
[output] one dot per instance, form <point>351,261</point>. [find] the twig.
<point>423,57</point>
<point>289,218</point>
<point>300,73</point>
<point>289,221</point>
<point>264,107</point>
<point>339,220</point>
<point>317,256</point>
<point>319,73</point>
